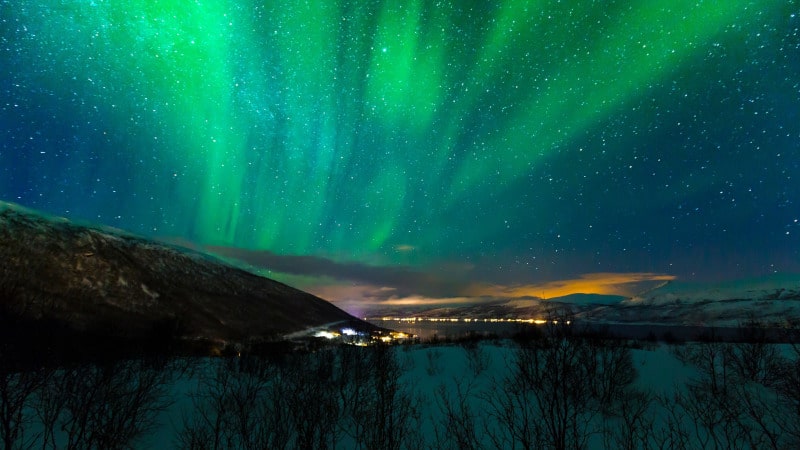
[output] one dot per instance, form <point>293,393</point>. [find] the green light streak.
<point>404,82</point>
<point>306,40</point>
<point>345,127</point>
<point>633,54</point>
<point>384,199</point>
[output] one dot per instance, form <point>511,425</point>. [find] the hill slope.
<point>110,283</point>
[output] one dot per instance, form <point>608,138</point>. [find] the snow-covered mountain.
<point>772,300</point>
<point>772,287</point>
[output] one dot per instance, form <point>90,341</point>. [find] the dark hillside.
<point>106,283</point>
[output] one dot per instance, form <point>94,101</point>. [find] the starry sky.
<point>418,151</point>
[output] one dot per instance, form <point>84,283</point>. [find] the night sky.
<point>418,151</point>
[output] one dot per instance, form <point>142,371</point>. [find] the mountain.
<point>772,301</point>
<point>770,287</point>
<point>108,284</point>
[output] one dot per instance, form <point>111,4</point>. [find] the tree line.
<point>558,388</point>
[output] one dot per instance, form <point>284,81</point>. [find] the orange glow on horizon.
<point>593,283</point>
<point>355,296</point>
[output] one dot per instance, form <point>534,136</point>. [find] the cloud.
<point>359,285</point>
<point>625,284</point>
<point>404,280</point>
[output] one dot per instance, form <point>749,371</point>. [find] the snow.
<point>429,370</point>
<point>777,286</point>
<point>431,373</point>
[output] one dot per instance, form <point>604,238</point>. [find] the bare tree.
<point>203,428</point>
<point>17,393</point>
<point>610,365</point>
<point>307,402</point>
<point>458,422</point>
<point>558,385</point>
<point>22,371</point>
<point>433,358</point>
<point>788,388</point>
<point>105,405</point>
<point>313,400</point>
<point>513,420</point>
<point>352,381</point>
<point>389,413</point>
<point>735,400</point>
<point>477,358</point>
<point>672,432</point>
<point>628,422</point>
<point>241,404</point>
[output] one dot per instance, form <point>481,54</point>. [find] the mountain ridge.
<point>771,301</point>
<point>114,283</point>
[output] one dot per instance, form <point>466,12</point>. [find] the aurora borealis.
<point>417,148</point>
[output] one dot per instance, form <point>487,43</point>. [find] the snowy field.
<point>471,396</point>
<point>547,388</point>
<point>547,391</point>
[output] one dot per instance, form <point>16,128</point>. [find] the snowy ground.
<point>429,371</point>
<point>439,393</point>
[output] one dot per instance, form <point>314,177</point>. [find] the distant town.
<point>364,338</point>
<point>386,335</point>
<point>458,319</point>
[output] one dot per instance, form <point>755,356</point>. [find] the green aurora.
<point>531,139</point>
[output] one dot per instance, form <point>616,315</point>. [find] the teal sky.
<point>505,143</point>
